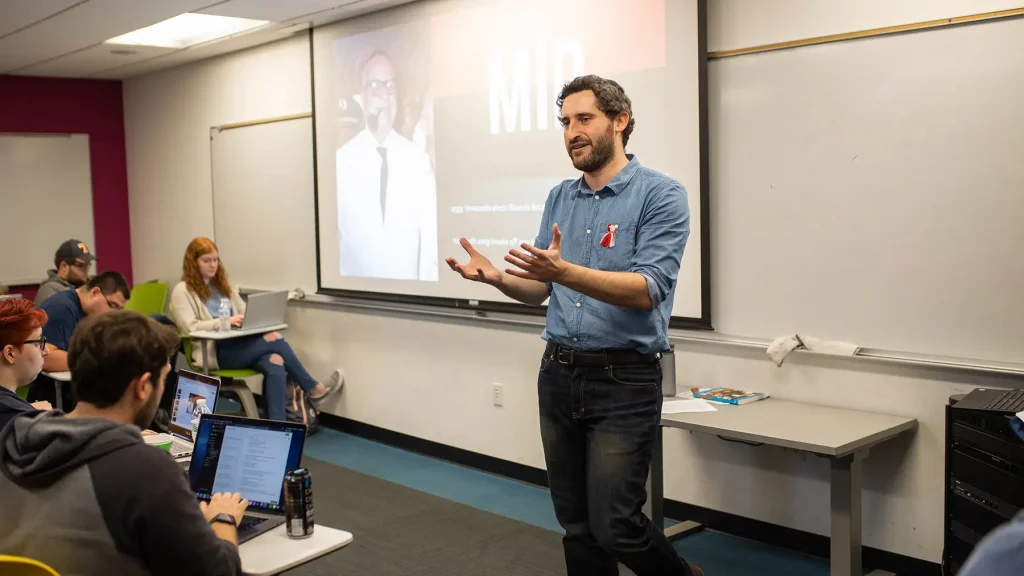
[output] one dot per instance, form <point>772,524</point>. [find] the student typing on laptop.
<point>198,305</point>
<point>84,494</point>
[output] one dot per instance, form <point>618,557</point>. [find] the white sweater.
<point>191,315</point>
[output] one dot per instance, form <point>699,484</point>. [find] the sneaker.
<point>335,382</point>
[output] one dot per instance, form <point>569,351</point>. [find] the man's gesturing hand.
<point>478,269</point>
<point>540,265</point>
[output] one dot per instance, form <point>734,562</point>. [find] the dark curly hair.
<point>611,98</point>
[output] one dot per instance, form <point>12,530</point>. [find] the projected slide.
<point>437,121</point>
<point>387,200</point>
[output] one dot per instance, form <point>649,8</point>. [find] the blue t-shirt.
<point>64,310</point>
<point>213,303</point>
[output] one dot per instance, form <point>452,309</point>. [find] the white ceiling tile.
<point>274,10</point>
<point>85,25</point>
<point>195,53</point>
<point>94,60</point>
<point>70,43</point>
<point>18,14</point>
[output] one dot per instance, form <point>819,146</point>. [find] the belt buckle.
<point>561,358</point>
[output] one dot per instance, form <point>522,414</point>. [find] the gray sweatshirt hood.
<point>53,278</point>
<point>38,449</point>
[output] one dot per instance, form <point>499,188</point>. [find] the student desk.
<point>274,552</point>
<point>844,437</point>
<point>59,378</point>
<point>199,337</point>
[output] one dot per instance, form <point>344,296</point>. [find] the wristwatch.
<point>225,518</point>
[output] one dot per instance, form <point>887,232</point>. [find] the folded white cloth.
<point>782,346</point>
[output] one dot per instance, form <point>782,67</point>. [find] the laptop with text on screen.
<point>250,457</point>
<point>191,387</point>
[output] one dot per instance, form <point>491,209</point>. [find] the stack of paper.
<point>688,403</point>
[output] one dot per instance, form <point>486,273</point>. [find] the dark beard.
<point>602,151</point>
<point>144,419</point>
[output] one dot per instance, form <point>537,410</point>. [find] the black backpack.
<point>298,408</point>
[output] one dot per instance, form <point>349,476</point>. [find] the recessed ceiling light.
<point>187,30</point>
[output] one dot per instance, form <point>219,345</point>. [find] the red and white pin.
<point>608,240</point>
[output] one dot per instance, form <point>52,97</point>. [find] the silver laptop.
<point>191,387</point>
<point>248,456</point>
<point>265,309</point>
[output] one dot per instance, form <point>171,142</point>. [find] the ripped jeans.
<point>257,353</point>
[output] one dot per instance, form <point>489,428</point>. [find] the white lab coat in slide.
<point>401,244</point>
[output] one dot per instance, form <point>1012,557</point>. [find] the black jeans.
<point>598,426</point>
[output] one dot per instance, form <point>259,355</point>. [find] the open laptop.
<point>993,400</point>
<point>250,457</point>
<point>191,387</point>
<point>265,309</point>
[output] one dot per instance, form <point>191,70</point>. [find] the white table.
<point>843,436</point>
<point>200,336</point>
<point>274,552</point>
<point>59,378</point>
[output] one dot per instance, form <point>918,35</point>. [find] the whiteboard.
<point>45,199</point>
<point>263,204</point>
<point>873,191</point>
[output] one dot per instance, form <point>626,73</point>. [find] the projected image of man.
<point>607,256</point>
<point>387,200</point>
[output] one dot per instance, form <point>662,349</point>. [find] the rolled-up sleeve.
<point>660,240</point>
<point>544,235</point>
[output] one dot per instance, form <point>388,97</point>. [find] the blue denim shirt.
<point>1000,553</point>
<point>652,216</point>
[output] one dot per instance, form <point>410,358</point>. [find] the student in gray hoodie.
<point>84,494</point>
<point>71,262</point>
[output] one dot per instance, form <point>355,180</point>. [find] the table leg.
<point>58,387</point>
<point>206,361</point>
<point>655,506</point>
<point>846,515</point>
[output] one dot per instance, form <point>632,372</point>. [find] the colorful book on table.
<point>729,395</point>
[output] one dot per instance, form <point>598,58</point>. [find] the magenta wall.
<point>92,107</point>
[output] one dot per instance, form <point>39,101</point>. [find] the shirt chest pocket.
<point>614,246</point>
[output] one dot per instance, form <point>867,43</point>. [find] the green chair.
<point>148,298</point>
<point>232,381</point>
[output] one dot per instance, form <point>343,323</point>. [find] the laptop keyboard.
<point>1011,401</point>
<point>250,522</point>
<point>180,448</point>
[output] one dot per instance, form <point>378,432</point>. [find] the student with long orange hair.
<point>22,349</point>
<point>198,301</point>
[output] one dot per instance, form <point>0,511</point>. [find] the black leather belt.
<point>598,358</point>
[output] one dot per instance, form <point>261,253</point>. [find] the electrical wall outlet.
<point>497,394</point>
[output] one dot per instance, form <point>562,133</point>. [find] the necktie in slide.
<point>383,178</point>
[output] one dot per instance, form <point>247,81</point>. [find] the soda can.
<point>298,503</point>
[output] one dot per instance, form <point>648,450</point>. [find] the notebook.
<point>729,395</point>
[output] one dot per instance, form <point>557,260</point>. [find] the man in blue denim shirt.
<point>611,282</point>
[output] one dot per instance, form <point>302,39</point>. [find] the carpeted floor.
<point>402,532</point>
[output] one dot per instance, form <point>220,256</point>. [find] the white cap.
<point>201,401</point>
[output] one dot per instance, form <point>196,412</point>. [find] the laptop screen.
<point>191,387</point>
<point>246,456</point>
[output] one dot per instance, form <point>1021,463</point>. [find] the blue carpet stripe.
<point>716,553</point>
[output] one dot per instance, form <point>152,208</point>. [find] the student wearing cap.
<point>72,262</point>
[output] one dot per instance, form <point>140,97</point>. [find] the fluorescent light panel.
<point>187,30</point>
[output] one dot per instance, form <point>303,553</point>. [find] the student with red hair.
<point>22,348</point>
<point>197,302</point>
